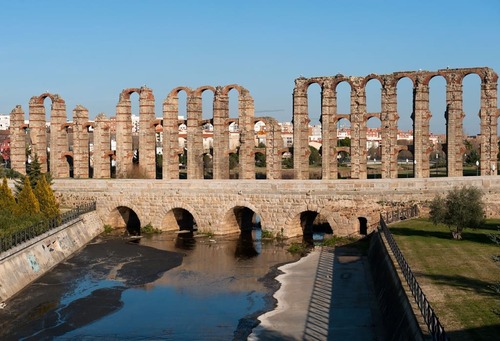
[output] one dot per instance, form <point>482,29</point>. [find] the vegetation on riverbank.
<point>457,276</point>
<point>32,202</point>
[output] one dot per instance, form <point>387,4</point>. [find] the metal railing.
<point>400,214</point>
<point>435,328</point>
<point>9,241</point>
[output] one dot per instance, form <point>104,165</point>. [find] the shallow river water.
<point>168,286</point>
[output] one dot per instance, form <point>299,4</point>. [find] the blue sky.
<point>88,51</point>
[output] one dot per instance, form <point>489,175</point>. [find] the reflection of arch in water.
<point>246,247</point>
<point>125,217</point>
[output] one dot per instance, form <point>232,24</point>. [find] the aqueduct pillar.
<point>147,133</point>
<point>247,134</point>
<point>102,153</point>
<point>328,124</point>
<point>171,134</point>
<point>195,135</point>
<point>80,142</point>
<point>17,140</point>
<point>221,135</point>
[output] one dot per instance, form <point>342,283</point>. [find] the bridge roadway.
<point>350,207</point>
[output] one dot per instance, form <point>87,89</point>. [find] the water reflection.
<point>245,246</point>
<point>185,240</point>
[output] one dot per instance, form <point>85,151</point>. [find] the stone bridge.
<point>287,207</point>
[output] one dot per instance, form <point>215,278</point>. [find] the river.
<point>168,286</point>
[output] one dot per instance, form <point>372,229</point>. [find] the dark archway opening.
<point>69,160</point>
<point>124,217</point>
<point>363,226</point>
<point>314,227</point>
<point>244,217</point>
<point>183,223</point>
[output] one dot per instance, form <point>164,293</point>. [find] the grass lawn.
<point>455,275</point>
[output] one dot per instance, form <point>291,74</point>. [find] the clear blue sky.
<point>88,51</point>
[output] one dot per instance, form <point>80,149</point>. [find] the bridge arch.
<point>178,217</point>
<point>240,217</point>
<point>126,218</point>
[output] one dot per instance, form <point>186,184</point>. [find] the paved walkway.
<point>326,295</point>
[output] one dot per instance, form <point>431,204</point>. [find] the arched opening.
<point>208,150</point>
<point>240,219</point>
<point>208,165</point>
<point>182,222</point>
<point>343,148</point>
<point>124,217</point>
<point>234,150</point>
<point>48,111</point>
<point>183,147</point>
<point>287,163</point>
<point>136,171</point>
<point>405,110</point>
<point>315,131</point>
<point>69,160</point>
<point>438,127</point>
<point>260,162</point>
<point>179,219</point>
<point>363,226</point>
<point>233,97</point>
<point>343,90</point>
<point>260,150</point>
<point>373,96</point>
<point>207,98</point>
<point>314,226</point>
<point>159,150</point>
<point>343,163</point>
<point>405,164</point>
<point>374,148</point>
<point>471,124</point>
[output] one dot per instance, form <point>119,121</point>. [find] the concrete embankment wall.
<point>26,262</point>
<point>399,320</point>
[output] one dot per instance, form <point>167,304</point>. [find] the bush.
<point>462,208</point>
<point>149,229</point>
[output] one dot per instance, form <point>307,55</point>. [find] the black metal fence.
<point>11,240</point>
<point>400,214</point>
<point>435,328</point>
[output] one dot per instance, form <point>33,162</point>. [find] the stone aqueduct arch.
<point>101,155</point>
<point>388,116</point>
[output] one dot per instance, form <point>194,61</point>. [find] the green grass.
<point>455,275</point>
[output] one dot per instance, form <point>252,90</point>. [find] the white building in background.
<point>4,122</point>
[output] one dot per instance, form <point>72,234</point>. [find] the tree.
<point>260,158</point>
<point>7,200</point>
<point>27,204</point>
<point>34,174</point>
<point>344,142</point>
<point>462,208</point>
<point>314,157</point>
<point>46,199</point>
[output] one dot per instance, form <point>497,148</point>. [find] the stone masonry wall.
<point>279,203</point>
